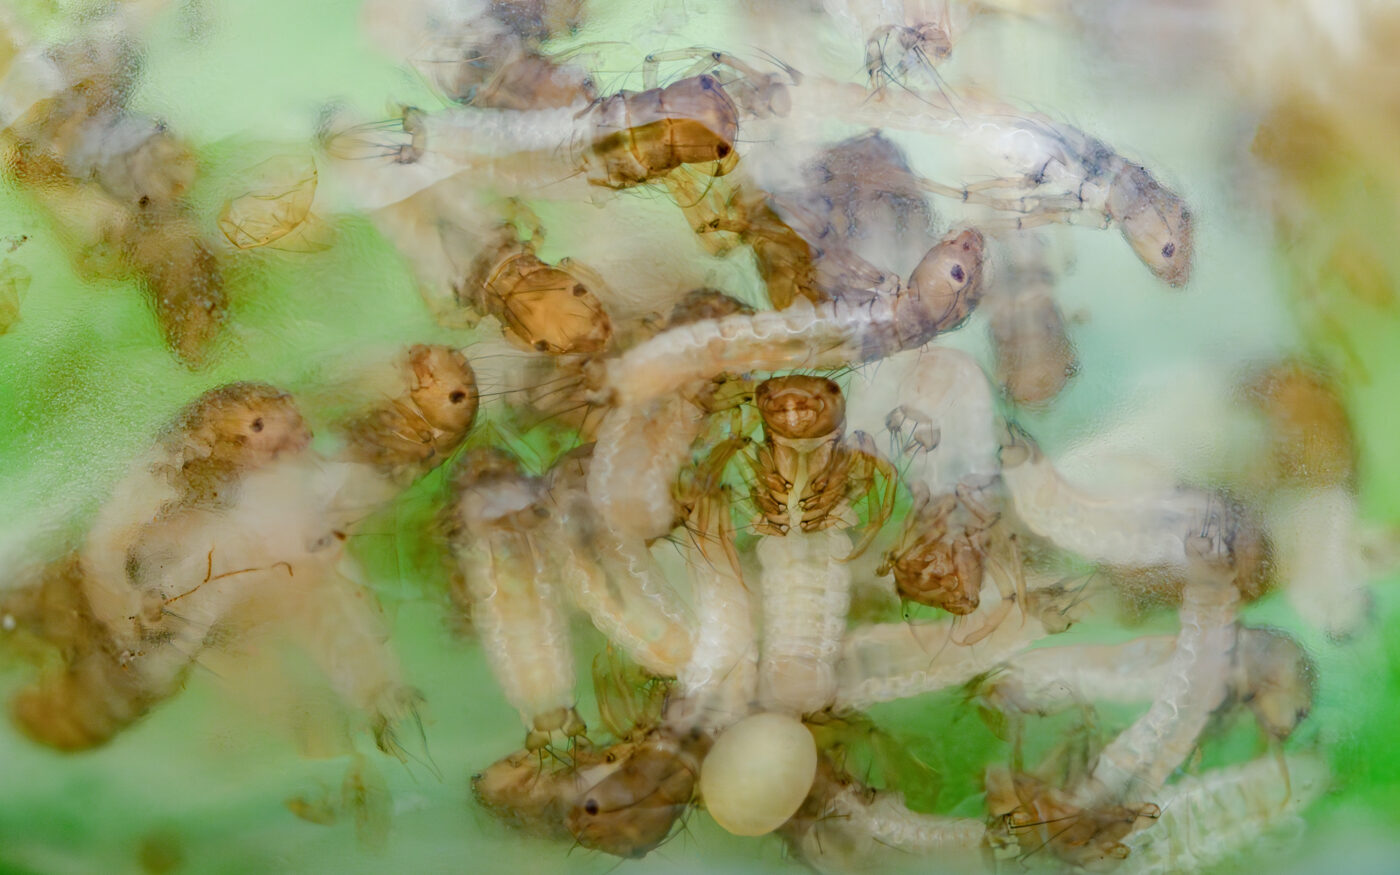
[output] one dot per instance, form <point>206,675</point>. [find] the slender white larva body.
<point>801,336</point>
<point>506,578</point>
<point>858,828</point>
<point>806,592</point>
<point>638,454</point>
<point>622,596</point>
<point>1051,679</point>
<point>520,151</point>
<point>1211,817</point>
<point>888,661</point>
<point>522,627</point>
<point>1196,683</point>
<point>1134,530</point>
<point>719,683</point>
<point>614,580</point>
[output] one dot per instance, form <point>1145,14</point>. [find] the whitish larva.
<point>806,592</point>
<point>1209,818</point>
<point>1144,755</point>
<point>504,582</point>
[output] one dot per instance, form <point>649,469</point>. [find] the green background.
<point>85,383</point>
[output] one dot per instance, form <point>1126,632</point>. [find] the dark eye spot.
<point>541,345</point>
<point>1169,250</point>
<point>457,397</point>
<point>257,424</point>
<point>958,273</point>
<point>707,83</point>
<point>722,150</point>
<point>145,201</point>
<point>591,806</point>
<point>579,290</point>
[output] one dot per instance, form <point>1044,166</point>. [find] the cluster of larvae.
<point>776,512</point>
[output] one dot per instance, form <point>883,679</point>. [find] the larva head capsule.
<point>800,406</point>
<point>944,288</point>
<point>549,308</point>
<point>444,388</point>
<point>240,426</point>
<point>1154,221</point>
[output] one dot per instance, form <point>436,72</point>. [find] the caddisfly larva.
<point>1206,819</point>
<point>1034,354</point>
<point>505,580</point>
<point>807,478</point>
<point>407,435</point>
<point>1197,683</point>
<point>1135,530</point>
<point>1043,171</point>
<point>1270,674</point>
<point>630,811</point>
<point>627,139</point>
<point>846,826</point>
<point>941,294</point>
<point>227,526</point>
<point>613,579</point>
<point>641,451</point>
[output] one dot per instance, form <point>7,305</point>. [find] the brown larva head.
<point>242,426</point>
<point>1154,221</point>
<point>800,406</point>
<point>444,388</point>
<point>947,284</point>
<point>549,308</point>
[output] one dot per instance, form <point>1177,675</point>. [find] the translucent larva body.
<point>505,582</point>
<point>943,291</point>
<point>1048,171</point>
<point>228,525</point>
<point>806,478</point>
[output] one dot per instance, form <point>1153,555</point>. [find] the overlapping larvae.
<point>723,427</point>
